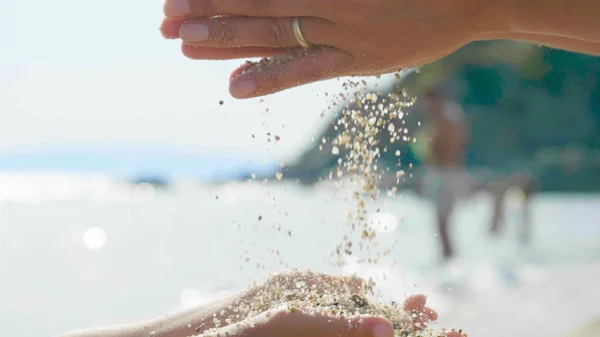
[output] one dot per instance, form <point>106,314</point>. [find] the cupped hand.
<point>357,37</point>
<point>304,322</point>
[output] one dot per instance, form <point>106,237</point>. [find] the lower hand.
<point>272,322</point>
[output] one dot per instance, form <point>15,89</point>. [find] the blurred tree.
<point>530,108</point>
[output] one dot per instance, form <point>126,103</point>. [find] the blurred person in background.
<point>446,138</point>
<point>444,143</point>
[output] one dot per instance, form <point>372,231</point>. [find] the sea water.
<point>86,251</point>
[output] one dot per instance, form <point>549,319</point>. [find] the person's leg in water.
<point>435,186</point>
<point>444,207</point>
<point>528,189</point>
<point>498,194</point>
<point>447,250</point>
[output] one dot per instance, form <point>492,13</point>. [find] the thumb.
<point>305,323</point>
<point>292,69</point>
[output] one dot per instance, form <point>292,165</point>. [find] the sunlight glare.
<point>94,238</point>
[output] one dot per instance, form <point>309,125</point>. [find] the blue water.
<point>131,163</point>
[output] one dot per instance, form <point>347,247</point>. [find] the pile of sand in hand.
<point>311,294</point>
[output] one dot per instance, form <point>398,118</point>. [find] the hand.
<point>362,37</point>
<point>272,322</point>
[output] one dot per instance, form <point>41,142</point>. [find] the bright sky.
<point>96,73</point>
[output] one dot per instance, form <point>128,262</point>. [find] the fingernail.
<point>243,89</point>
<point>383,330</point>
<point>176,8</point>
<point>193,31</point>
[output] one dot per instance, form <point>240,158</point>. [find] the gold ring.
<point>298,34</point>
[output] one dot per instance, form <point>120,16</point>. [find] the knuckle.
<point>224,32</point>
<point>278,33</point>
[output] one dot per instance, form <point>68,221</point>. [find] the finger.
<point>204,53</point>
<point>415,303</point>
<point>420,314</point>
<point>419,321</point>
<point>357,284</point>
<point>430,313</point>
<point>290,70</point>
<point>302,323</point>
<point>170,28</point>
<point>256,8</point>
<point>255,32</point>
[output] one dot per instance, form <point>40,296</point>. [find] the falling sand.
<point>363,123</point>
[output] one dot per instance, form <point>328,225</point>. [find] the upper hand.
<point>364,37</point>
